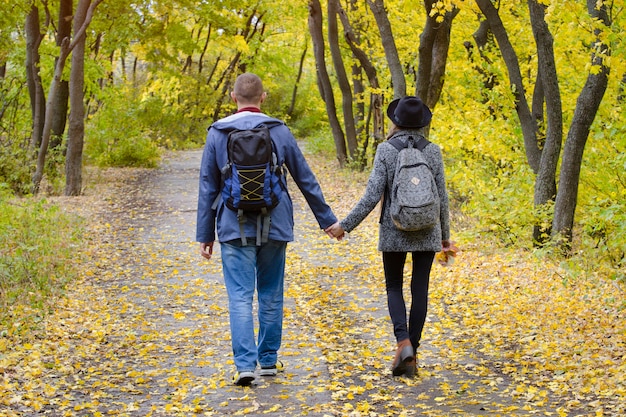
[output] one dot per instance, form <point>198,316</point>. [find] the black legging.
<point>393,263</point>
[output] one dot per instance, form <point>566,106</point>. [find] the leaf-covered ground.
<point>145,331</point>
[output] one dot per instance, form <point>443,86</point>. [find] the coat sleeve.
<point>208,191</point>
<point>373,193</point>
<point>440,180</point>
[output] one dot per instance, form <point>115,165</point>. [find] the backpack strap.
<point>241,218</point>
<point>422,142</point>
<point>397,143</point>
<point>264,220</point>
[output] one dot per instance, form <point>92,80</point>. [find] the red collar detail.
<point>252,109</point>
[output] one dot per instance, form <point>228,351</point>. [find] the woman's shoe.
<point>411,367</point>
<point>404,360</point>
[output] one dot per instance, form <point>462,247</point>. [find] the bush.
<point>38,245</point>
<point>14,167</point>
<point>322,143</point>
<point>115,137</point>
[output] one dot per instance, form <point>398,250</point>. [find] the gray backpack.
<point>414,195</point>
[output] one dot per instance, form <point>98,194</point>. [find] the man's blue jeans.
<point>246,268</point>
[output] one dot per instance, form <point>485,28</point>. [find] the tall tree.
<point>527,121</point>
<point>294,93</point>
<point>545,183</point>
<point>34,37</point>
<point>65,50</point>
<point>60,105</point>
<point>342,79</point>
<point>353,39</point>
<point>323,79</point>
<point>547,99</point>
<point>76,133</point>
<point>586,109</point>
<point>433,52</point>
<point>389,44</point>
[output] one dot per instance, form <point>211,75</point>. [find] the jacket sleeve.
<point>208,191</point>
<point>440,180</point>
<point>373,193</point>
<point>305,179</point>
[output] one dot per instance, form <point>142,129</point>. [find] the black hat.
<point>409,111</point>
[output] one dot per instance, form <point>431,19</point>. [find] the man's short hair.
<point>248,88</point>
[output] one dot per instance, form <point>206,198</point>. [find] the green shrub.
<point>38,247</point>
<point>322,143</point>
<point>115,137</point>
<point>15,166</point>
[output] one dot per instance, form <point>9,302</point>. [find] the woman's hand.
<point>335,231</point>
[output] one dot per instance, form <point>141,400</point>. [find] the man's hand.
<point>335,231</point>
<point>206,250</point>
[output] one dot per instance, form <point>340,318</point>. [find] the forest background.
<point>528,102</point>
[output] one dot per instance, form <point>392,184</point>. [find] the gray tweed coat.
<point>391,239</point>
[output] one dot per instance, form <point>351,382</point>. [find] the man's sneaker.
<point>272,370</point>
<point>244,378</point>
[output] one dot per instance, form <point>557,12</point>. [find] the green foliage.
<point>116,136</point>
<point>308,122</point>
<point>38,243</point>
<point>15,126</point>
<point>478,128</point>
<point>14,166</point>
<point>161,71</point>
<point>603,192</point>
<point>321,143</point>
<point>54,171</point>
<point>176,111</point>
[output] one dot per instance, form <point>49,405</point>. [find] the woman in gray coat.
<point>409,116</point>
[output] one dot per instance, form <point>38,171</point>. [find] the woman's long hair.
<point>393,129</point>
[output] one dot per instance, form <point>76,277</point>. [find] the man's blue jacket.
<point>289,155</point>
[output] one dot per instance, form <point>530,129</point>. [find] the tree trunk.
<point>370,71</point>
<point>3,70</point>
<point>66,49</point>
<point>294,93</point>
<point>545,183</point>
<point>483,39</point>
<point>323,80</point>
<point>225,82</point>
<point>47,129</point>
<point>586,108</point>
<point>527,122</point>
<point>359,114</point>
<point>204,49</point>
<point>60,101</point>
<point>76,133</point>
<point>389,44</point>
<point>342,80</point>
<point>433,55</point>
<point>33,77</point>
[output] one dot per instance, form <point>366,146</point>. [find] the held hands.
<point>335,231</point>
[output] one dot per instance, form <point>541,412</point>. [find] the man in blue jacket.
<point>248,267</point>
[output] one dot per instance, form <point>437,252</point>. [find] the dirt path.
<point>147,331</point>
<point>183,305</point>
<point>178,302</point>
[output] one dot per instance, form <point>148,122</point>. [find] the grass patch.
<point>38,246</point>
